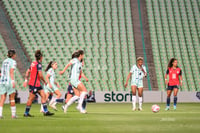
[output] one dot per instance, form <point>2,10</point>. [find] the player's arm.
<point>144,71</point>
<point>166,74</point>
<point>41,77</point>
<point>48,81</point>
<point>12,76</point>
<point>181,78</point>
<point>68,65</point>
<point>83,75</point>
<point>26,77</point>
<point>127,79</point>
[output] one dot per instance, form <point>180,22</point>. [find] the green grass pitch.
<point>105,118</point>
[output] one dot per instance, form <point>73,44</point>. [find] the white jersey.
<point>137,74</point>
<point>51,72</point>
<point>75,69</point>
<point>5,70</point>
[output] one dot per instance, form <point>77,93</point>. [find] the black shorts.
<point>34,90</point>
<point>172,87</point>
<point>70,90</point>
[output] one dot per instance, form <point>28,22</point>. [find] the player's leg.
<point>44,104</point>
<point>169,91</point>
<point>83,93</point>
<point>2,100</point>
<point>28,104</point>
<point>140,94</point>
<point>57,99</point>
<point>72,99</point>
<point>12,105</point>
<point>46,96</point>
<point>175,97</point>
<point>133,89</point>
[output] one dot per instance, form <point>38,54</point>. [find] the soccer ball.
<point>155,108</point>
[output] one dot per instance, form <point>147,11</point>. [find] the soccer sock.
<point>41,109</point>
<point>140,102</point>
<point>84,103</point>
<point>168,101</point>
<point>134,101</point>
<point>82,96</point>
<point>13,110</point>
<point>72,100</point>
<point>1,110</point>
<point>45,107</point>
<point>175,100</point>
<point>27,109</point>
<point>60,100</point>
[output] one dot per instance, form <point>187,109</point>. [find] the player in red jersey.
<point>173,84</point>
<point>35,87</point>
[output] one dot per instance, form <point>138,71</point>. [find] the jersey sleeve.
<point>49,71</point>
<point>14,65</point>
<point>180,72</point>
<point>73,61</point>
<point>132,69</point>
<point>167,72</point>
<point>39,67</point>
<point>144,68</point>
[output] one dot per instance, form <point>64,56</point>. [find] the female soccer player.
<point>137,72</point>
<point>52,86</point>
<point>73,94</point>
<point>174,73</point>
<point>76,67</point>
<point>7,82</point>
<point>35,87</point>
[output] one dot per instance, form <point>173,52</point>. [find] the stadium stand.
<point>174,30</point>
<point>3,56</point>
<point>102,28</point>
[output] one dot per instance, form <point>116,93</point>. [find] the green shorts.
<point>75,83</point>
<point>6,88</point>
<point>47,89</point>
<point>137,82</point>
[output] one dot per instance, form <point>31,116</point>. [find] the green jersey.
<point>5,70</point>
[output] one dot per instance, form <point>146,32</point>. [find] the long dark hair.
<point>170,64</point>
<point>77,53</point>
<point>38,55</point>
<point>11,53</point>
<point>49,65</point>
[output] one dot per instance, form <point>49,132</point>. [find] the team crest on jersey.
<point>177,72</point>
<point>39,65</point>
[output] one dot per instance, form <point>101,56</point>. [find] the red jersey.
<point>174,76</point>
<point>34,76</point>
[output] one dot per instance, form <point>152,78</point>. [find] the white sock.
<point>54,104</point>
<point>82,96</point>
<point>134,101</point>
<point>1,110</point>
<point>41,109</point>
<point>72,100</point>
<point>140,102</point>
<point>13,110</point>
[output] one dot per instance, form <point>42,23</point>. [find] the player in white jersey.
<point>137,73</point>
<point>76,69</point>
<point>7,82</point>
<point>52,86</point>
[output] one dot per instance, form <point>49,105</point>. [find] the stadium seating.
<point>175,32</point>
<point>102,28</point>
<point>3,56</point>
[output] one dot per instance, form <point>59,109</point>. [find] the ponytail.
<point>49,66</point>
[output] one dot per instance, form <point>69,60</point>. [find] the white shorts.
<point>137,82</point>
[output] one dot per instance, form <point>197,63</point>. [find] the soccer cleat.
<point>65,108</point>
<point>167,108</point>
<point>53,107</point>
<point>28,115</point>
<point>133,109</point>
<point>14,117</point>
<point>139,109</point>
<point>41,111</point>
<point>174,107</point>
<point>78,108</point>
<point>48,114</point>
<point>83,111</point>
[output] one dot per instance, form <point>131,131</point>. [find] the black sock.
<point>84,103</point>
<point>175,100</point>
<point>168,101</point>
<point>27,110</point>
